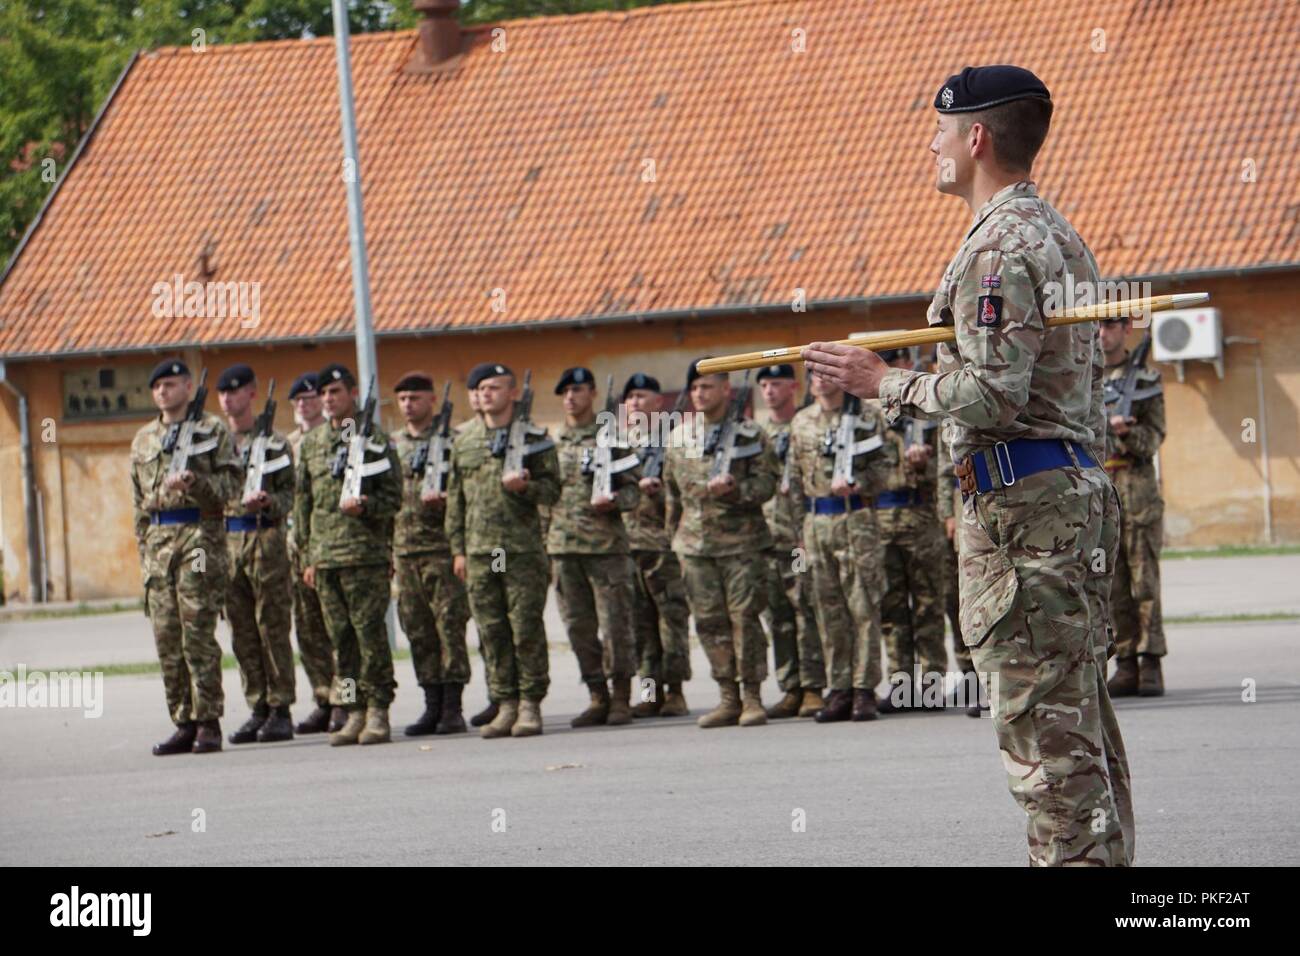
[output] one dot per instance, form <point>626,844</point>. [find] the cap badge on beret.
<point>500,370</point>
<point>176,369</point>
<point>577,376</point>
<point>336,374</point>
<point>946,98</point>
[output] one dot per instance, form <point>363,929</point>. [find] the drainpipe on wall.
<point>1263,429</point>
<point>34,561</point>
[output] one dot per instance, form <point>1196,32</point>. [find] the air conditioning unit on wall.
<point>1180,335</point>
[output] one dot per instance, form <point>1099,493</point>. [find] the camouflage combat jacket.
<point>1007,376</point>
<point>704,526</point>
<point>1130,459</point>
<point>419,528</point>
<point>575,526</point>
<point>279,486</point>
<point>812,430</point>
<point>783,511</point>
<point>328,537</point>
<point>481,514</point>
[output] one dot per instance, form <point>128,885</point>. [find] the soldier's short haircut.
<point>1019,129</point>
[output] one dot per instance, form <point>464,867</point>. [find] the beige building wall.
<point>1212,475</point>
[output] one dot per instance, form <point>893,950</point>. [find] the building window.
<point>114,391</point>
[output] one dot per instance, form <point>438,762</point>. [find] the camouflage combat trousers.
<point>314,646</point>
<point>727,596</point>
<point>1028,608</point>
<point>434,612</point>
<point>1135,593</point>
<point>796,641</point>
<point>845,557</point>
<point>185,580</point>
<point>596,595</point>
<point>952,602</point>
<point>661,619</point>
<point>354,602</point>
<point>507,606</point>
<point>259,609</point>
<point>912,608</point>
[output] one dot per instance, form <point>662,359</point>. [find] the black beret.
<point>693,373</point>
<point>784,370</point>
<point>414,382</point>
<point>575,376</point>
<point>334,372</point>
<point>166,368</point>
<point>487,370</point>
<point>642,381</point>
<point>979,87</point>
<point>237,376</point>
<point>306,382</point>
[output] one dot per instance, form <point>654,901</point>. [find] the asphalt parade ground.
<point>1216,766</point>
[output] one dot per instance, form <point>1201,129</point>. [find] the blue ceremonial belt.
<point>834,506</point>
<point>175,516</point>
<point>1023,457</point>
<point>248,523</point>
<point>902,498</point>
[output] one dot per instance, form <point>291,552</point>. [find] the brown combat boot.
<point>317,721</point>
<point>839,706</point>
<point>674,702</point>
<point>486,715</point>
<point>350,732</point>
<point>864,705</point>
<point>377,730</point>
<point>787,706</point>
<point>1151,683</point>
<point>752,713</point>
<point>529,721</point>
<point>1124,682</point>
<point>620,702</point>
<point>180,742</point>
<point>503,722</point>
<point>247,732</point>
<point>727,713</point>
<point>650,708</point>
<point>597,711</point>
<point>812,702</point>
<point>452,720</point>
<point>338,717</point>
<point>207,739</point>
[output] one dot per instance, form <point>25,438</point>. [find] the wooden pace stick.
<point>877,341</point>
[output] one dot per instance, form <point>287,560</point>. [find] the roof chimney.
<point>439,34</point>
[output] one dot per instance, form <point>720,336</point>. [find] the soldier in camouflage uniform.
<point>911,612</point>
<point>258,604</point>
<point>1025,400</point>
<point>495,533</point>
<point>660,616</point>
<point>348,545</point>
<point>314,646</point>
<point>431,600</point>
<point>590,557</point>
<point>968,691</point>
<point>718,528</point>
<point>182,543</point>
<point>842,537</point>
<point>488,713</point>
<point>1131,446</point>
<point>796,640</point>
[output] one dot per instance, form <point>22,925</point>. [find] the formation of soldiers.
<point>834,564</point>
<point>838,522</point>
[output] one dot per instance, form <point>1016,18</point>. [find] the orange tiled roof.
<point>774,170</point>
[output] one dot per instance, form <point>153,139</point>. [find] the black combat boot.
<point>864,705</point>
<point>317,721</point>
<point>486,715</point>
<point>247,733</point>
<point>278,727</point>
<point>428,722</point>
<point>452,720</point>
<point>838,707</point>
<point>180,742</point>
<point>207,740</point>
<point>899,698</point>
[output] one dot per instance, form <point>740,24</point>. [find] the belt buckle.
<point>1000,453</point>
